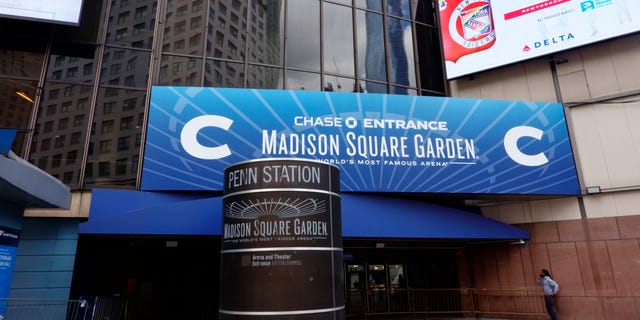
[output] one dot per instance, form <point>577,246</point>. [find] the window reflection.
<point>123,67</point>
<point>264,77</point>
<point>114,145</point>
<point>20,64</point>
<point>60,126</point>
<point>339,84</point>
<point>399,8</point>
<point>338,39</point>
<point>423,12</point>
<point>401,68</point>
<point>371,51</point>
<point>267,42</point>
<point>131,24</point>
<point>223,74</point>
<point>186,32</point>
<point>227,25</point>
<point>180,71</point>
<point>370,4</point>
<point>16,105</point>
<point>428,50</point>
<point>373,87</point>
<point>303,27</point>
<point>297,80</point>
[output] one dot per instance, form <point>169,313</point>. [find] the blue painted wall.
<point>46,255</point>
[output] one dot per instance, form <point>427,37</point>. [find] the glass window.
<point>63,124</point>
<point>400,54</point>
<point>303,26</point>
<point>121,167</point>
<point>75,138</point>
<point>114,133</point>
<point>266,45</point>
<point>377,276</point>
<point>297,80</point>
<point>399,8</point>
<point>107,126</point>
<point>67,177</point>
<point>135,67</point>
<point>72,156</point>
<point>424,12</point>
<point>48,126</point>
<point>177,70</point>
<point>370,4</point>
<point>431,65</point>
<point>42,163</point>
<point>56,160</point>
<point>104,169</point>
<point>105,146</point>
<point>223,74</point>
<point>45,145</point>
<point>259,77</point>
<point>22,64</point>
<point>371,52</point>
<point>59,142</point>
<point>124,143</point>
<point>339,84</point>
<point>78,120</point>
<point>338,40</point>
<point>372,87</point>
<point>52,109</point>
<point>228,41</point>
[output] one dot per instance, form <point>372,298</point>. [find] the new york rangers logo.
<point>468,28</point>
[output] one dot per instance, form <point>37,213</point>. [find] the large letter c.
<point>189,134</point>
<point>511,146</point>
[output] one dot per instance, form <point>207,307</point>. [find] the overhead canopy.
<point>386,217</point>
<point>367,216</point>
<point>27,186</point>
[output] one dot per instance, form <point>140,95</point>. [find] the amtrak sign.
<point>381,143</point>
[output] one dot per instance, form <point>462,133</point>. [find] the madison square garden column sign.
<point>281,252</point>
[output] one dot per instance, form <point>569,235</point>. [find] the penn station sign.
<point>381,143</point>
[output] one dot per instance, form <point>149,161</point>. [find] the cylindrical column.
<point>281,254</point>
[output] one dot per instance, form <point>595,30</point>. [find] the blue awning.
<point>363,216</point>
<point>374,216</point>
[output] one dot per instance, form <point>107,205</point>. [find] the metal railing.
<point>30,309</point>
<point>467,303</point>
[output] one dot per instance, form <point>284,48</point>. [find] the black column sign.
<point>281,252</point>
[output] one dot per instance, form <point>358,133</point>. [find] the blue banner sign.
<point>381,143</point>
<point>8,250</point>
<point>7,136</point>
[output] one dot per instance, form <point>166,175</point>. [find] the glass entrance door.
<point>377,298</point>
<point>356,285</point>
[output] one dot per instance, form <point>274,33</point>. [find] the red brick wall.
<point>596,262</point>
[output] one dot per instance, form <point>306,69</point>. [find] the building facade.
<point>82,117</point>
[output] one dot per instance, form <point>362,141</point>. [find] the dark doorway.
<point>149,277</point>
<point>383,277</point>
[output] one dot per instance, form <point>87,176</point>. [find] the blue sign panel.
<point>7,137</point>
<point>381,143</point>
<point>8,250</point>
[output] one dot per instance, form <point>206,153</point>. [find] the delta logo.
<point>549,42</point>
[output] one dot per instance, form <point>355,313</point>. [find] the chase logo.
<point>511,146</point>
<point>189,137</point>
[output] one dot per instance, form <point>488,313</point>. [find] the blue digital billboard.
<point>381,143</point>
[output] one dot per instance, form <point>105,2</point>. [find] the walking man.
<point>550,289</point>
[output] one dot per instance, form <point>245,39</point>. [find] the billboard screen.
<point>483,34</point>
<point>56,11</point>
<point>381,143</point>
